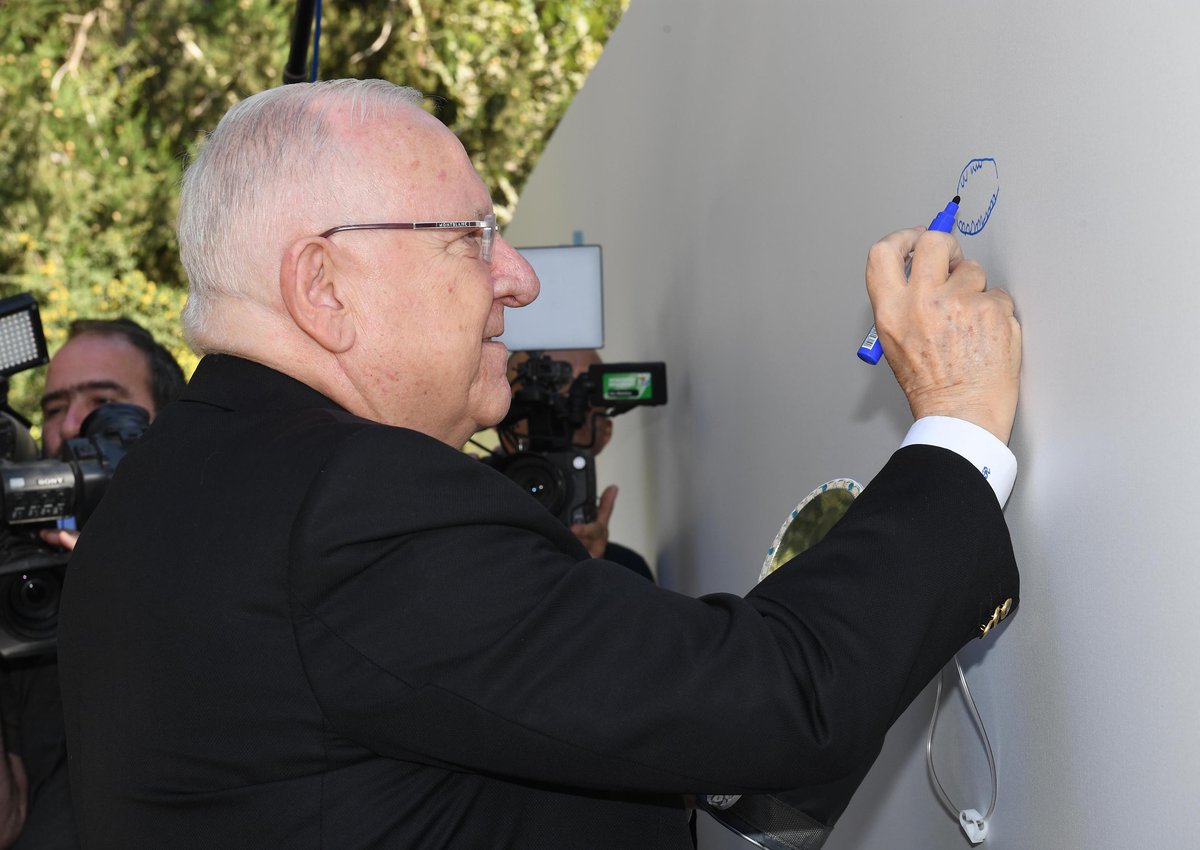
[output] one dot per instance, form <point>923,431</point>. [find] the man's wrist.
<point>979,446</point>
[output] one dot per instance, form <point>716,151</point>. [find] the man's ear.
<point>312,293</point>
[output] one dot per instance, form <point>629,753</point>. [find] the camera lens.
<point>31,603</point>
<point>540,479</point>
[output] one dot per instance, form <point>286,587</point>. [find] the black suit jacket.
<point>628,559</point>
<point>290,627</point>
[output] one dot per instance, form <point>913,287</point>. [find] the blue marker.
<point>871,350</point>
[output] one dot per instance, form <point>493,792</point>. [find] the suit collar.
<point>239,384</point>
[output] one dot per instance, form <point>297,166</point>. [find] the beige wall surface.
<point>736,160</point>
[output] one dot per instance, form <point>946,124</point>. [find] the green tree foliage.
<point>101,102</point>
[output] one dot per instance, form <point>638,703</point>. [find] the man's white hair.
<point>270,165</point>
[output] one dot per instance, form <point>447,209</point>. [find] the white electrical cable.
<point>973,824</point>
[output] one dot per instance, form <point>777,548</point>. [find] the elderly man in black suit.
<point>303,618</point>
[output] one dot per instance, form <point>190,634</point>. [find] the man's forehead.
<point>92,358</point>
<point>415,156</point>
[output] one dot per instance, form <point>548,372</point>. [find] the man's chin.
<point>491,410</point>
<point>493,418</point>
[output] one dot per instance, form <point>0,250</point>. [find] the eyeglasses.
<point>488,227</point>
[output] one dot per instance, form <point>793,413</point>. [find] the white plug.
<point>973,825</point>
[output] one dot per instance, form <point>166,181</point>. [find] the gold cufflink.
<point>999,614</point>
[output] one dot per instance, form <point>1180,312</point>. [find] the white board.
<point>736,160</point>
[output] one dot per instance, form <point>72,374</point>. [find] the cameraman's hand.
<point>953,344</point>
<point>59,537</point>
<point>594,535</point>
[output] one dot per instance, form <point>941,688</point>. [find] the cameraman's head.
<point>598,424</point>
<point>102,361</point>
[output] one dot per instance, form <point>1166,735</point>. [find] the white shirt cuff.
<point>978,445</point>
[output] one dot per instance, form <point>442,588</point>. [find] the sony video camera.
<point>36,493</point>
<point>547,462</point>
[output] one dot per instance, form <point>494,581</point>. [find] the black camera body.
<point>34,494</point>
<point>564,482</point>
<point>547,463</point>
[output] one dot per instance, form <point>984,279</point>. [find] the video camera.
<point>548,463</point>
<point>543,457</point>
<point>37,493</point>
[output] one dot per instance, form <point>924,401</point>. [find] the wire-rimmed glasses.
<point>488,228</point>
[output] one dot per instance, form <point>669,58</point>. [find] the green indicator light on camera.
<point>628,386</point>
<point>624,386</point>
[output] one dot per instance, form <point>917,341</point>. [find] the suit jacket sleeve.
<point>446,619</point>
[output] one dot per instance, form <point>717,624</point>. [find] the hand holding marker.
<point>871,350</point>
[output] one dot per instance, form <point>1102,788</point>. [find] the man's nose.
<point>73,420</point>
<point>516,282</point>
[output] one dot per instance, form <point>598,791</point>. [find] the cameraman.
<point>594,434</point>
<point>102,361</point>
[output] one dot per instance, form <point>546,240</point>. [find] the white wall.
<point>736,160</point>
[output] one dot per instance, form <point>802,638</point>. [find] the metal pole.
<point>296,71</point>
